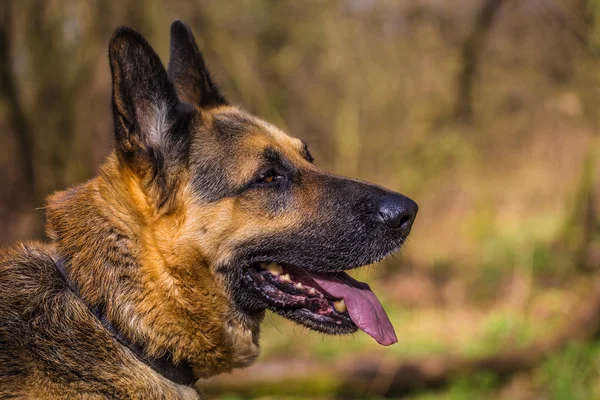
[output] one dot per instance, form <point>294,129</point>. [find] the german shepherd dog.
<point>160,269</point>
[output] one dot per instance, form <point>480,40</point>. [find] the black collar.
<point>179,373</point>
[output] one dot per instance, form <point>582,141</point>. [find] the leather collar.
<point>180,373</point>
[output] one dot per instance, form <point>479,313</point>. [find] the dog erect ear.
<point>144,100</point>
<point>188,71</point>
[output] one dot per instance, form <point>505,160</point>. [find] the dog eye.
<point>269,177</point>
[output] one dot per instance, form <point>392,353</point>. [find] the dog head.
<point>230,194</point>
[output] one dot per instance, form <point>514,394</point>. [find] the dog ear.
<point>144,100</point>
<point>188,71</point>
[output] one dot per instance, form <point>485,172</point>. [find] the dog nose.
<point>398,212</point>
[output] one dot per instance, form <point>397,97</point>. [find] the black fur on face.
<point>342,231</point>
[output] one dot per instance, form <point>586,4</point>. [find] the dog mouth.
<point>333,303</point>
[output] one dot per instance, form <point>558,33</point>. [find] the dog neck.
<point>163,303</point>
<point>181,373</point>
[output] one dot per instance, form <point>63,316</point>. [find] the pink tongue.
<point>363,306</point>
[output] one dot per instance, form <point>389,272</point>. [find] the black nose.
<point>397,212</point>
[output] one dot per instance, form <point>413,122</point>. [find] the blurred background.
<point>483,111</point>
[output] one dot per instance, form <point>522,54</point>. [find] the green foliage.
<point>572,374</point>
<point>479,386</point>
<point>499,331</point>
<point>593,7</point>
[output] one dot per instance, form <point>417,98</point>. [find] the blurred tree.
<point>470,58</point>
<point>19,124</point>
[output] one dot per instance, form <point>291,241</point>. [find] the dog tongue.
<point>363,306</point>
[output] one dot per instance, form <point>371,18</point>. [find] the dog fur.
<point>157,242</point>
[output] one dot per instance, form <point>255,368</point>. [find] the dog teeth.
<point>299,285</point>
<point>312,291</point>
<point>286,278</point>
<point>273,268</point>
<point>340,306</point>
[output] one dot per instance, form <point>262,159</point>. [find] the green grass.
<point>571,374</point>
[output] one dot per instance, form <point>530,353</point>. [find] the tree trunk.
<point>471,54</point>
<point>19,123</point>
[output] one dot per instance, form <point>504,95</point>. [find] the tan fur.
<point>176,305</point>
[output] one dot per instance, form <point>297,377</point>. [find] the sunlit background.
<point>486,112</point>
